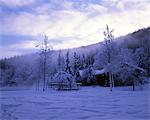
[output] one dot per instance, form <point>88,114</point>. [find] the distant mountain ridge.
<point>136,39</point>
<point>133,40</point>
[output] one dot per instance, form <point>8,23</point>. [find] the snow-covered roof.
<point>99,72</point>
<point>95,72</point>
<point>81,72</point>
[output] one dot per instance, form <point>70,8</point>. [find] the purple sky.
<point>67,23</point>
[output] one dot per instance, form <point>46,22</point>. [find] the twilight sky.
<point>67,23</point>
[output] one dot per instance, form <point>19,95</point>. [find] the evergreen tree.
<point>76,66</point>
<point>67,64</point>
<point>90,74</point>
<point>60,61</point>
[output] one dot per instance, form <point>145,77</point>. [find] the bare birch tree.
<point>44,52</point>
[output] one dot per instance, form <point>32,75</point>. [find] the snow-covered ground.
<point>88,103</point>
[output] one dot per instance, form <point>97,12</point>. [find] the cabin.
<point>101,77</point>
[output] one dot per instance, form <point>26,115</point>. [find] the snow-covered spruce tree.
<point>82,62</point>
<point>76,66</point>
<point>86,66</point>
<point>90,59</point>
<point>68,68</point>
<point>60,61</point>
<point>64,80</point>
<point>45,49</point>
<point>64,76</point>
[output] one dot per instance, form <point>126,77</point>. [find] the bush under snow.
<point>64,80</point>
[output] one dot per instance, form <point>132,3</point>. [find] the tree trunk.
<point>113,80</point>
<point>133,86</point>
<point>105,83</point>
<point>44,82</point>
<point>110,81</point>
<point>106,80</point>
<point>37,85</point>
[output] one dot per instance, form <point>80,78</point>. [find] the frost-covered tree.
<point>86,60</point>
<point>106,55</point>
<point>44,53</point>
<point>90,59</point>
<point>64,80</point>
<point>90,74</point>
<point>87,75</point>
<point>7,71</point>
<point>142,60</point>
<point>24,74</point>
<point>76,66</point>
<point>125,67</point>
<point>68,68</point>
<point>64,76</point>
<point>142,57</point>
<point>17,72</point>
<point>60,61</point>
<point>83,64</point>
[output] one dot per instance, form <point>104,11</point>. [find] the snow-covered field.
<point>88,103</point>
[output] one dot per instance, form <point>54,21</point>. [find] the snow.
<point>88,103</point>
<point>98,72</point>
<point>95,72</point>
<point>81,72</point>
<point>134,66</point>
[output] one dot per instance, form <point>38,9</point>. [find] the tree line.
<point>121,62</point>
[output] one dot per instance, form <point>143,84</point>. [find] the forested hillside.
<point>125,51</point>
